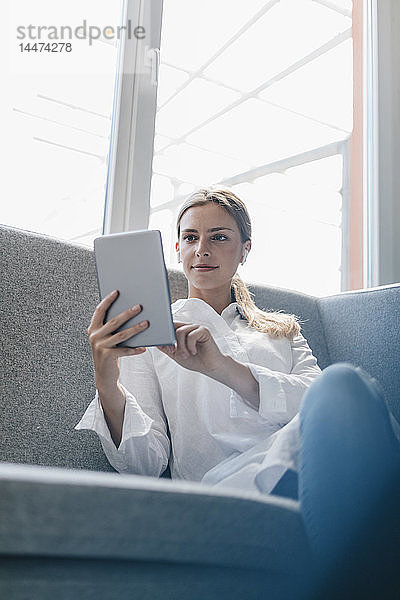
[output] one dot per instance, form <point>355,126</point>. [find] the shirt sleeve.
<point>280,393</point>
<point>145,444</point>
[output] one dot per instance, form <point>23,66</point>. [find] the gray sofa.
<point>70,528</point>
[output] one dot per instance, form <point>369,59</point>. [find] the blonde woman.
<point>222,406</point>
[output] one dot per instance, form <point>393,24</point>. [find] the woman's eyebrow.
<point>212,229</point>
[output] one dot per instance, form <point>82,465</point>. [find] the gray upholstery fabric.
<point>233,528</point>
<point>363,328</point>
<point>197,542</point>
<point>48,294</point>
<point>47,578</point>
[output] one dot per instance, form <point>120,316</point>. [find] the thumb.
<point>169,350</point>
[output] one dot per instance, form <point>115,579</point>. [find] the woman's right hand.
<point>103,340</point>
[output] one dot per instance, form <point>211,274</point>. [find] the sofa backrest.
<point>48,292</point>
<point>303,306</point>
<point>363,328</point>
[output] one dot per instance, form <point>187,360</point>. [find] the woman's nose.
<point>202,248</point>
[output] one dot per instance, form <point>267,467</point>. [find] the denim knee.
<point>345,373</point>
<point>343,388</point>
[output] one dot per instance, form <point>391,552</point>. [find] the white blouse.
<point>205,430</point>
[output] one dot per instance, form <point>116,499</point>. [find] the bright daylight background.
<point>56,113</point>
<point>256,95</point>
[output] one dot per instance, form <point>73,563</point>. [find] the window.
<point>258,96</point>
<point>56,108</point>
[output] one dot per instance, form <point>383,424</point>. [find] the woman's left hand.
<point>195,349</point>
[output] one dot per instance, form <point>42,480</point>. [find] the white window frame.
<point>381,143</point>
<point>127,205</point>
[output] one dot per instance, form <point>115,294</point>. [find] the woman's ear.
<point>245,253</point>
<point>178,254</point>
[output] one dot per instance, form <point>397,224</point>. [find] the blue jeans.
<point>349,462</point>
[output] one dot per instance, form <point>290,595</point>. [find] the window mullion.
<point>131,148</point>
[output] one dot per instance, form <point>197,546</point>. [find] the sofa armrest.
<point>56,512</point>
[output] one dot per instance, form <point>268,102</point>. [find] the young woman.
<point>222,407</point>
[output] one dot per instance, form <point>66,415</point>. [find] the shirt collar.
<point>196,308</point>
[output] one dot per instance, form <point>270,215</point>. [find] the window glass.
<point>257,96</point>
<point>56,109</point>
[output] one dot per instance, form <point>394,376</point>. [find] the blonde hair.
<point>276,323</point>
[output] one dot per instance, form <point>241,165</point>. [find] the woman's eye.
<point>219,236</point>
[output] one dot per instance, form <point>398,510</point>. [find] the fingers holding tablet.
<point>101,309</point>
<point>125,334</point>
<point>113,324</point>
<point>116,322</point>
<point>106,350</point>
<point>103,336</point>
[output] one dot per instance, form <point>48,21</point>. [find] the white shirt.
<point>211,428</point>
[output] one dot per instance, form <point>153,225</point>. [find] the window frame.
<point>127,204</point>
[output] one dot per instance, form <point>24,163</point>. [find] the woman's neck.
<point>217,301</point>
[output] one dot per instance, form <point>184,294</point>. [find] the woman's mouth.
<point>204,268</point>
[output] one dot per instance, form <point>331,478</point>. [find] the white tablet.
<point>133,263</point>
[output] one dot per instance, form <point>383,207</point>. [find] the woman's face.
<point>210,236</point>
